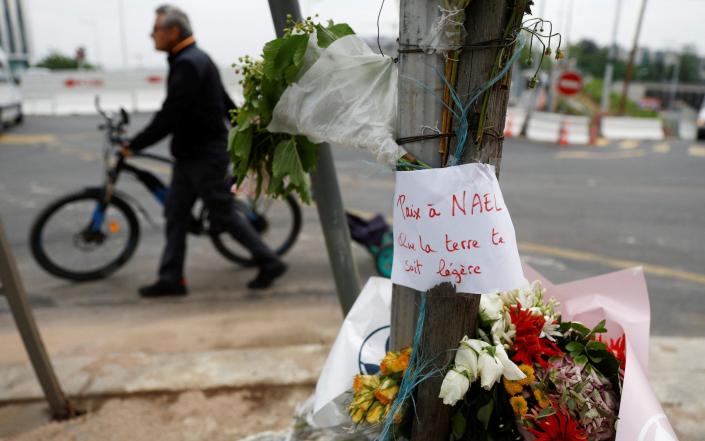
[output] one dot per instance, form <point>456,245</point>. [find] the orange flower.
<point>386,392</point>
<point>357,384</point>
<point>395,362</point>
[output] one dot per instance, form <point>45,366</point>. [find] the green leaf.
<point>485,413</point>
<point>308,152</point>
<point>581,360</point>
<point>458,424</point>
<point>240,143</point>
<point>327,35</point>
<point>269,54</point>
<point>285,55</point>
<point>300,51</point>
<point>546,412</point>
<point>574,346</point>
<point>595,346</point>
<point>599,328</point>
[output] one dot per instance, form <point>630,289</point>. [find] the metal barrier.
<point>558,128</point>
<point>73,92</point>
<point>624,127</point>
<point>514,121</point>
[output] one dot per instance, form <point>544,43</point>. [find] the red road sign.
<point>570,83</point>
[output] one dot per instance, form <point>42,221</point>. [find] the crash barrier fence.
<point>569,129</point>
<point>74,92</point>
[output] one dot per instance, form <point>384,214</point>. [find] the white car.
<point>701,121</point>
<point>10,95</point>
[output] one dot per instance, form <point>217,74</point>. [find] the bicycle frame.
<point>115,130</point>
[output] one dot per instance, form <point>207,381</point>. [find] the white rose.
<point>455,386</point>
<point>491,307</point>
<point>509,369</point>
<point>490,370</point>
<point>466,360</point>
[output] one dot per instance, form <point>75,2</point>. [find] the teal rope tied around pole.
<point>461,132</point>
<point>416,373</point>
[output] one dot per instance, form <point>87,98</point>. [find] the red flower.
<point>618,348</point>
<point>557,427</point>
<point>529,348</point>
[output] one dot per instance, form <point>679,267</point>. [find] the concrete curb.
<point>132,373</point>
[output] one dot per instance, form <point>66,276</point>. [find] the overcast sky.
<point>228,29</point>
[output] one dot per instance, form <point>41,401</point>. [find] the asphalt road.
<point>578,212</point>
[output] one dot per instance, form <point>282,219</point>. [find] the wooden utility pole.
<point>632,56</point>
<point>449,315</point>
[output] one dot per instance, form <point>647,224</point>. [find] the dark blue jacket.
<point>194,111</point>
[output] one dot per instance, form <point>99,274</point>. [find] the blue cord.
<point>416,373</point>
<point>461,132</point>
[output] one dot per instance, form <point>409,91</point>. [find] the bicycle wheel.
<point>278,222</point>
<point>80,238</point>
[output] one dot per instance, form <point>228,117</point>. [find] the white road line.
<point>628,144</point>
<point>662,148</point>
<point>696,150</point>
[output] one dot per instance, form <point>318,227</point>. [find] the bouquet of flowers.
<point>530,375</point>
<point>373,394</point>
<point>527,375</point>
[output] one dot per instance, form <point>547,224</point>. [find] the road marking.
<point>696,150</point>
<point>602,142</point>
<point>628,144</point>
<point>582,154</point>
<point>662,148</point>
<point>27,139</point>
<point>654,270</point>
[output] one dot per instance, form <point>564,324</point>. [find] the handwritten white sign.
<point>452,225</point>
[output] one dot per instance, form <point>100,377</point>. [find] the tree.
<point>690,66</point>
<point>58,61</point>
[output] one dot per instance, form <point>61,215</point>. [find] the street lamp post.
<point>632,55</point>
<point>609,68</point>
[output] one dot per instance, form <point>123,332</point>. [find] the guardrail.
<point>558,128</point>
<point>514,121</point>
<point>625,127</point>
<point>73,92</point>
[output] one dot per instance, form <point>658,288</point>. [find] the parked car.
<point>10,95</point>
<point>701,122</point>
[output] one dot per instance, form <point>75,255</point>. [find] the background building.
<point>14,33</point>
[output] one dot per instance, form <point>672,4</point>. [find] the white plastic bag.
<point>361,344</point>
<point>348,97</point>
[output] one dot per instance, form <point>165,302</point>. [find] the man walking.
<point>194,113</point>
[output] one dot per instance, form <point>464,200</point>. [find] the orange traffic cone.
<point>563,137</point>
<point>508,127</point>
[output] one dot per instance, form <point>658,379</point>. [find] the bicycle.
<point>102,219</point>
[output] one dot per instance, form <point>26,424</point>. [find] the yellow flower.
<point>512,387</point>
<point>519,405</point>
<point>357,414</point>
<point>359,406</point>
<point>365,382</point>
<point>395,362</point>
<point>541,398</point>
<point>529,372</point>
<point>357,383</point>
<point>387,391</point>
<point>374,415</point>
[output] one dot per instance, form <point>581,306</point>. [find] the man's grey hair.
<point>174,16</point>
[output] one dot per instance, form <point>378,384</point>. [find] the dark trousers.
<point>205,180</point>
